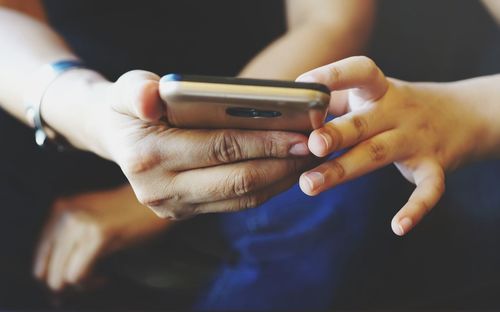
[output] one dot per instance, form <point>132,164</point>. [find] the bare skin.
<point>170,170</point>
<point>425,129</point>
<point>83,228</point>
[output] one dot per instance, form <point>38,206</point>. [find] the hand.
<point>83,228</point>
<point>424,128</point>
<point>180,172</point>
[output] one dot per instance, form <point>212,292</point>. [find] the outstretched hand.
<point>420,127</point>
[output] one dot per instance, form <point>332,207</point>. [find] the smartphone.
<point>239,103</point>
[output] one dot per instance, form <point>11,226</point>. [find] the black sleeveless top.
<point>216,37</point>
<point>435,40</point>
<point>416,40</point>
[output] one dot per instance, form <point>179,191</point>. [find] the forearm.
<point>320,32</point>
<point>299,51</point>
<point>481,96</point>
<point>27,44</point>
<point>494,7</point>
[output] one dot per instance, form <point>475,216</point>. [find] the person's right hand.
<point>181,172</point>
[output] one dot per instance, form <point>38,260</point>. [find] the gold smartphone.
<point>238,103</point>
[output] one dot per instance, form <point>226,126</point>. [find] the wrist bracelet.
<point>40,82</point>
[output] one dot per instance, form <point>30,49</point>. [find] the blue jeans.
<point>337,250</point>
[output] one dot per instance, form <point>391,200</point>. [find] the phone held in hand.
<point>238,103</point>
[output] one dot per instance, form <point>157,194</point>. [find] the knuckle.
<point>226,148</point>
<point>360,125</point>
<point>337,169</point>
<point>150,201</point>
<point>249,202</point>
<point>377,150</point>
<point>271,148</point>
<point>334,73</point>
<point>161,212</point>
<point>140,161</point>
<point>170,205</point>
<point>170,213</point>
<point>336,135</point>
<point>243,181</point>
<point>182,212</point>
<point>159,199</point>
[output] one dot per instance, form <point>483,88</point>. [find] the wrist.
<point>72,105</point>
<point>480,99</point>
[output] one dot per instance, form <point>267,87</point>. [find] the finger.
<point>217,183</point>
<point>370,155</point>
<point>196,149</point>
<point>190,149</point>
<point>357,72</point>
<point>248,201</point>
<point>234,180</point>
<point>348,130</point>
<point>68,233</point>
<point>136,94</point>
<point>43,252</point>
<point>430,180</point>
<point>84,257</point>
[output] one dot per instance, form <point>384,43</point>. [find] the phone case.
<point>220,102</point>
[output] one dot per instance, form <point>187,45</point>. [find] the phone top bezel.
<point>246,81</point>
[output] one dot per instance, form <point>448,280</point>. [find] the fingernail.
<point>306,78</point>
<point>403,226</point>
<point>299,149</point>
<point>327,140</point>
<point>314,180</point>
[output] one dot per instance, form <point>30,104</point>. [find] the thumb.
<point>430,180</point>
<point>136,94</point>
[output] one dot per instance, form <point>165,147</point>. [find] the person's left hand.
<point>424,128</point>
<point>83,228</point>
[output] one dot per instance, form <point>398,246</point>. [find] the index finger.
<point>190,149</point>
<point>358,72</point>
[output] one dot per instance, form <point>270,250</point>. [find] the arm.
<point>120,121</point>
<point>26,44</point>
<point>110,119</point>
<point>494,7</point>
<point>319,32</point>
<point>426,129</point>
